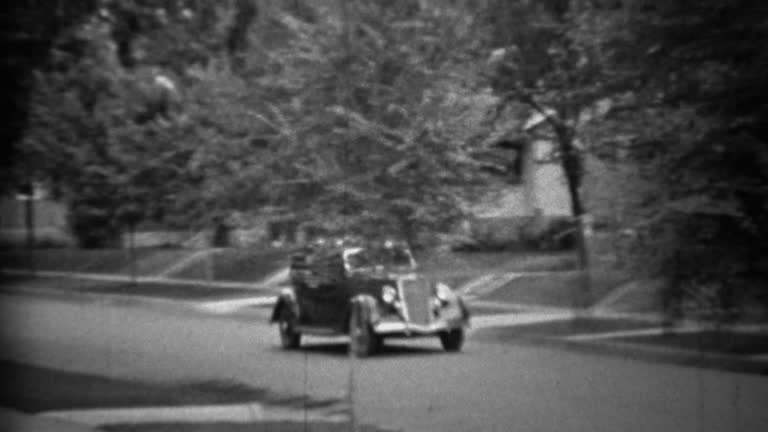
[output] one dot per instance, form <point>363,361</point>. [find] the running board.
<point>317,331</point>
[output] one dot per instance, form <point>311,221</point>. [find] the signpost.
<point>354,328</point>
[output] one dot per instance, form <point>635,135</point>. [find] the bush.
<point>534,233</point>
<point>94,228</point>
<point>45,238</point>
<point>556,234</point>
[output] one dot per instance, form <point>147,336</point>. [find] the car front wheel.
<point>363,340</point>
<point>289,337</point>
<point>452,340</point>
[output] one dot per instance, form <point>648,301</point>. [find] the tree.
<point>705,146</point>
<point>549,60</point>
<point>344,116</point>
<point>682,122</point>
<point>93,135</point>
<point>109,128</point>
<point>29,29</point>
<point>362,98</point>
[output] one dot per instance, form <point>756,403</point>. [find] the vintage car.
<point>368,292</point>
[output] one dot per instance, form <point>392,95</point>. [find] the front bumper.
<point>402,328</point>
<point>453,316</point>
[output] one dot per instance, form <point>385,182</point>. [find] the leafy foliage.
<point>716,168</point>
<point>668,98</point>
<point>692,136</point>
<point>344,116</point>
<point>366,116</point>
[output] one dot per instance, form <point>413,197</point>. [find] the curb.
<point>202,308</point>
<point>653,354</point>
<point>16,421</point>
<point>101,297</point>
<point>233,413</point>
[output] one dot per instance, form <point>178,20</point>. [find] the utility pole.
<point>29,222</point>
<point>354,328</point>
<point>132,247</point>
<point>342,97</point>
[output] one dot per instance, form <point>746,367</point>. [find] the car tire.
<point>362,340</point>
<point>289,337</point>
<point>452,340</point>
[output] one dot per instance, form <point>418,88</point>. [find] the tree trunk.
<point>29,222</point>
<point>132,250</point>
<point>572,164</point>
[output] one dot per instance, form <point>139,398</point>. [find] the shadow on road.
<point>34,389</point>
<point>341,349</point>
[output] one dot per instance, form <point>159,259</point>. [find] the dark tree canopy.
<point>368,115</point>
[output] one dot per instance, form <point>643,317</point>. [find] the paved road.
<point>412,385</point>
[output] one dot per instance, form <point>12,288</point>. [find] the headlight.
<point>388,294</point>
<point>443,292</point>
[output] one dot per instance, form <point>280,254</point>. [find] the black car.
<point>369,292</point>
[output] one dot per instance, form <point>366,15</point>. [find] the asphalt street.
<point>412,385</point>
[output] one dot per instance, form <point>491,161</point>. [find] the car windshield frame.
<point>392,257</point>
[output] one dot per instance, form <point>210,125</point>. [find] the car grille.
<point>416,296</point>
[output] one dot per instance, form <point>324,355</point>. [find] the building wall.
<point>548,183</point>
<point>510,212</point>
<point>511,201</point>
<point>50,223</point>
<point>543,187</point>
<point>48,214</point>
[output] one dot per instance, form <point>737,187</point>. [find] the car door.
<point>325,301</point>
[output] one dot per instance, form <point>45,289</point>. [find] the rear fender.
<point>285,301</point>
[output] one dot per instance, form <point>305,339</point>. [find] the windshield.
<point>397,257</point>
<point>359,259</point>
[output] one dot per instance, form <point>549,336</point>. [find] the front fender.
<point>286,301</point>
<point>465,315</point>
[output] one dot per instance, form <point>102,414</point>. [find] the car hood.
<point>388,273</point>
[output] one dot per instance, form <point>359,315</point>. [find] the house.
<point>47,217</point>
<point>529,191</point>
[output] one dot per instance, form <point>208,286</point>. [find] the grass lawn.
<point>243,265</point>
<point>159,290</point>
<point>477,263</point>
<point>174,291</point>
<point>252,265</point>
<point>562,289</point>
<point>64,284</point>
<point>240,265</point>
<point>108,261</point>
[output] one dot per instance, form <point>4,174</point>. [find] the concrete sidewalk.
<point>15,421</point>
<point>243,413</point>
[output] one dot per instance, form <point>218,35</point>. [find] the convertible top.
<point>322,262</point>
